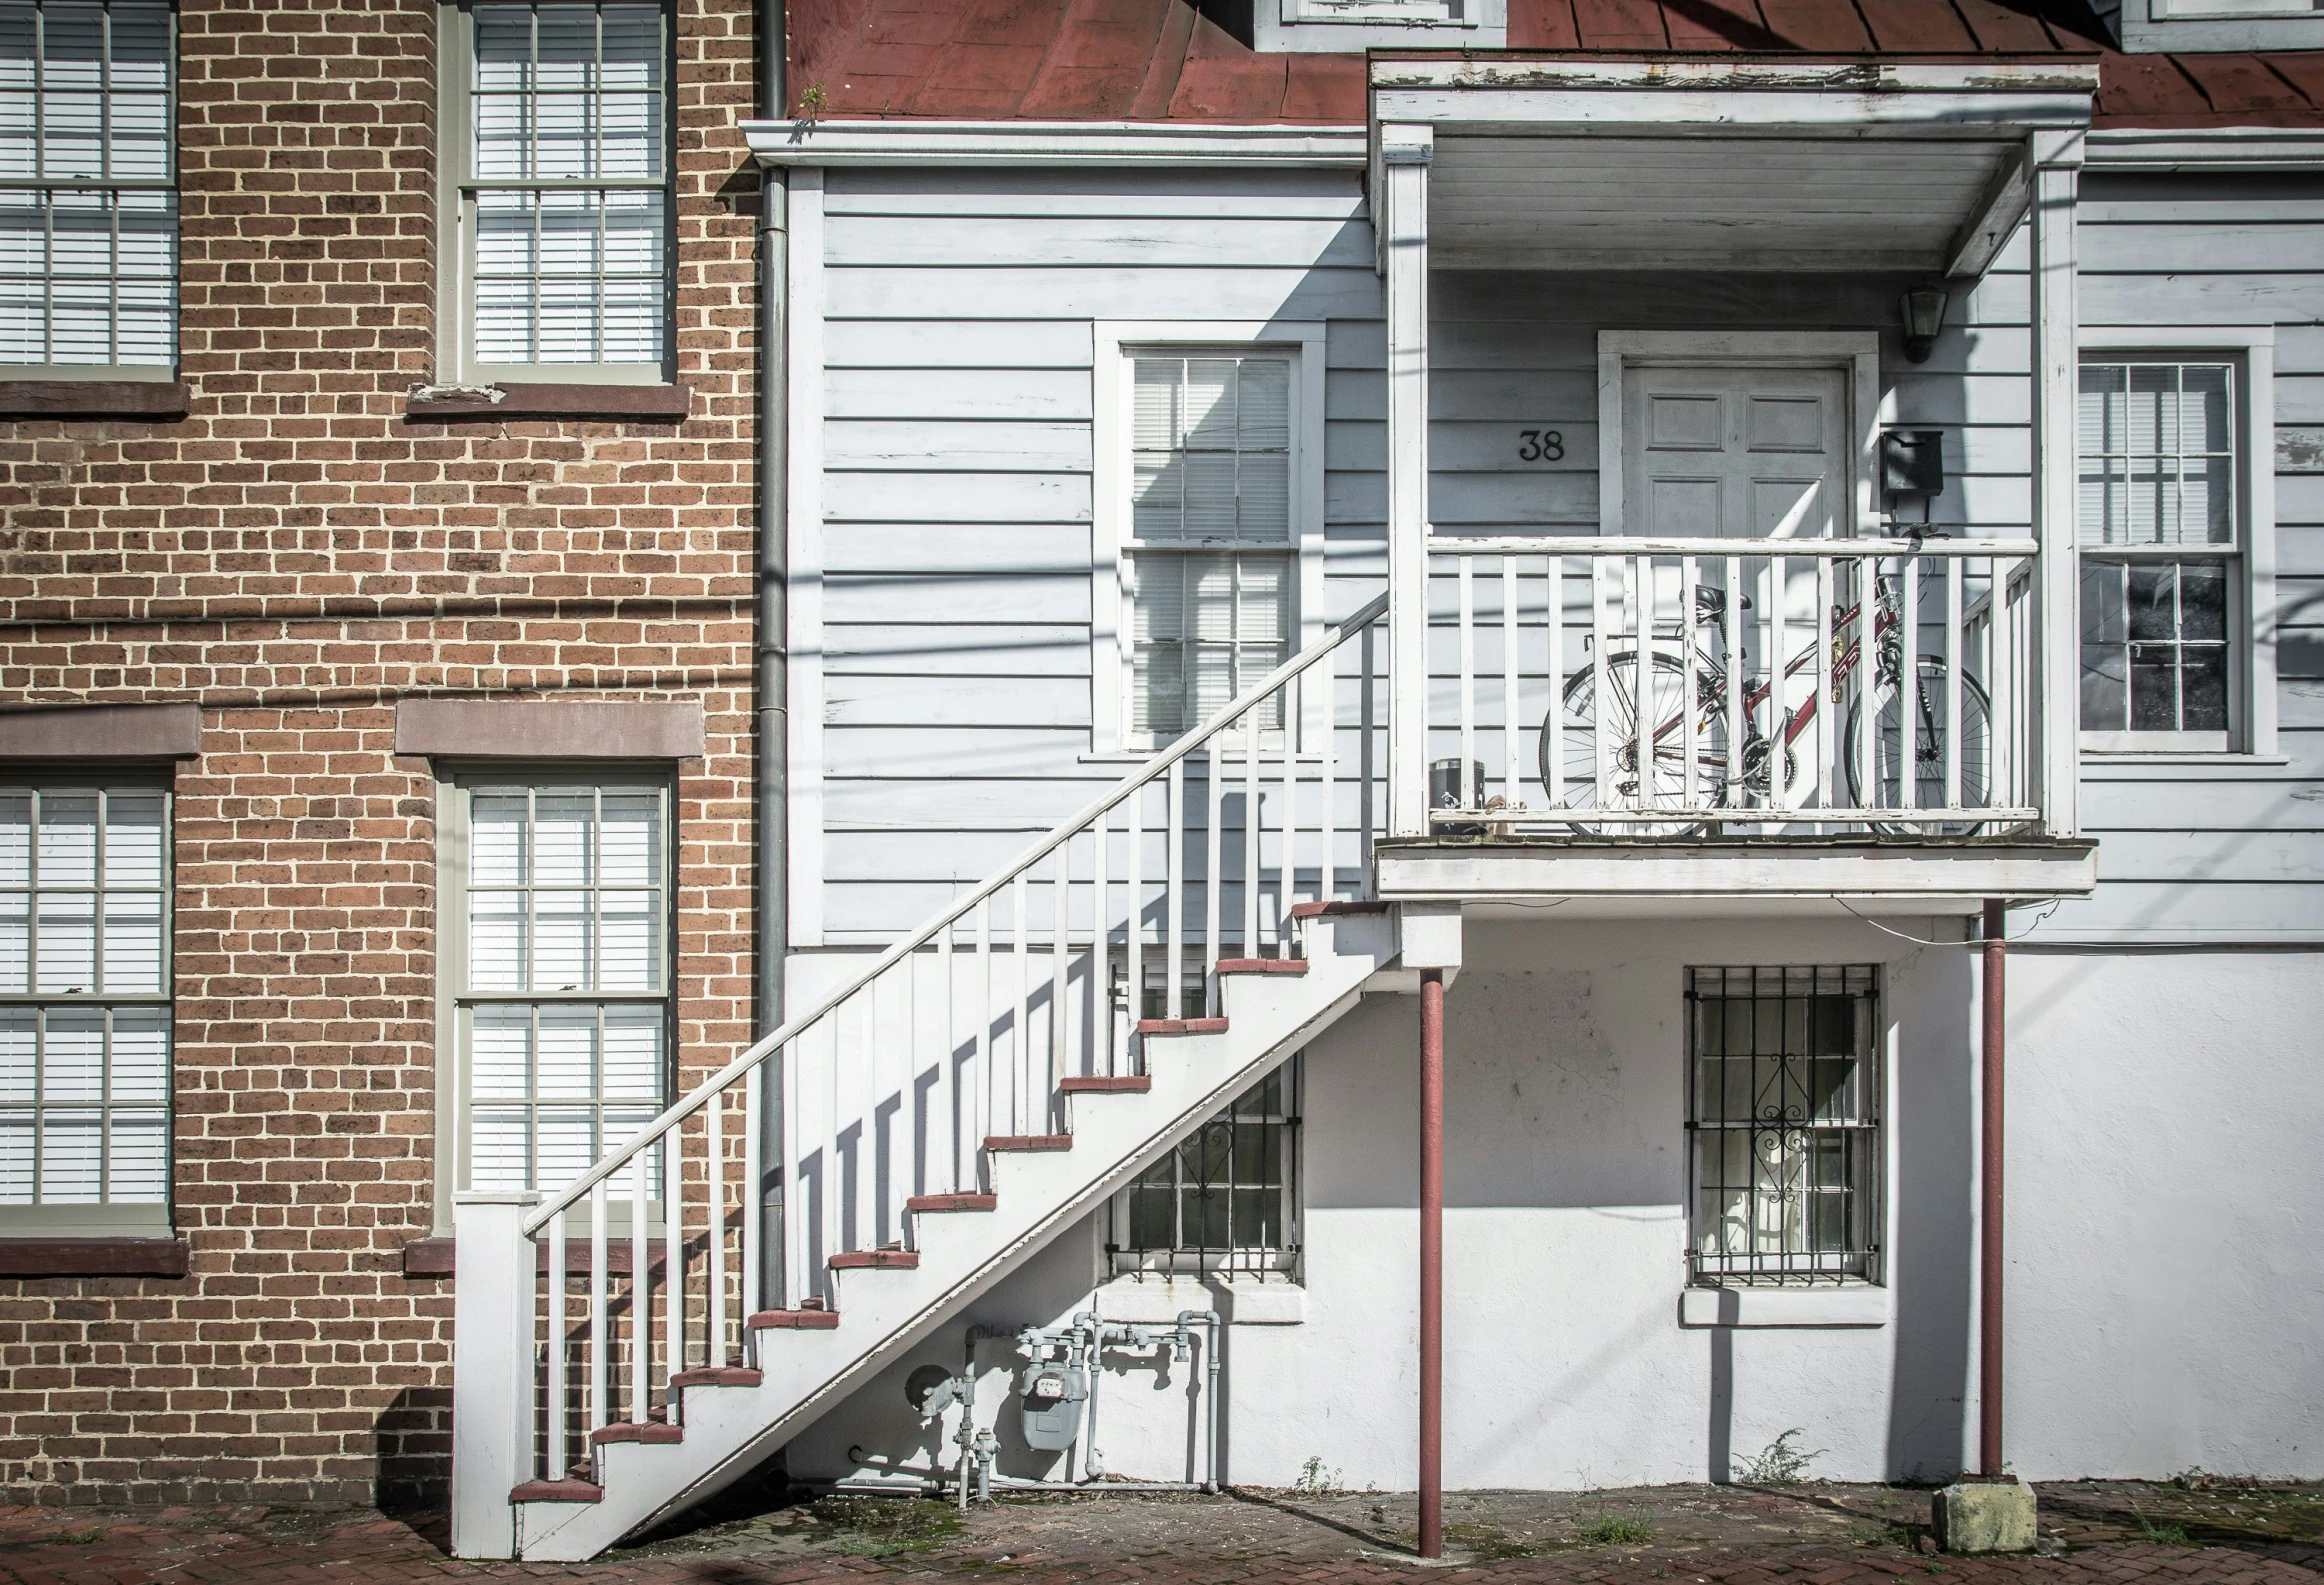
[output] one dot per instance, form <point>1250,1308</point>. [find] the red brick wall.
<point>296,556</point>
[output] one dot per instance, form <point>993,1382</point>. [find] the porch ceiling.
<point>1735,163</point>
<point>1742,203</point>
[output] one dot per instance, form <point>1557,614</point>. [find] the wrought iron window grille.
<point>1225,1201</point>
<point>1783,1114</point>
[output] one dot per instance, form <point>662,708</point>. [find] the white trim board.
<point>1856,353</point>
<point>2206,149</point>
<point>1110,644</point>
<point>804,700</point>
<point>1108,143</point>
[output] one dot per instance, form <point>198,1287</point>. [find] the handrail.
<point>1608,545</point>
<point>1227,714</point>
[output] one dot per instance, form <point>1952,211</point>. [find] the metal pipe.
<point>1996,953</point>
<point>1432,1263</point>
<point>1210,1346</point>
<point>771,655</point>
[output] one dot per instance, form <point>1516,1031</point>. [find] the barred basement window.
<point>1227,1199</point>
<point>1784,1105</point>
<point>562,993</point>
<point>88,190</point>
<point>1210,559</point>
<point>557,147</point>
<point>84,1008</point>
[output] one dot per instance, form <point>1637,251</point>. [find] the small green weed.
<point>1317,1480</point>
<point>1779,1463</point>
<point>79,1537</point>
<point>2160,1534</point>
<point>1617,1529</point>
<point>1489,1543</point>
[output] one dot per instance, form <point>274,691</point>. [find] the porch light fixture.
<point>1924,316</point>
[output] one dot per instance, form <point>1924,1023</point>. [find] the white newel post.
<point>2057,162</point>
<point>1400,196</point>
<point>493,1282</point>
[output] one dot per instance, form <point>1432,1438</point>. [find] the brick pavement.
<point>1262,1539</point>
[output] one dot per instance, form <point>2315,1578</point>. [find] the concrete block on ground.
<point>1985,1516</point>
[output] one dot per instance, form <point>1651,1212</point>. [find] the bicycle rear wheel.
<point>1932,737</point>
<point>1663,783</point>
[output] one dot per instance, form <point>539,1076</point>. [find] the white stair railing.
<point>958,1040</point>
<point>1667,688</point>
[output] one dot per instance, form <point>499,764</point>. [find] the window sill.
<point>1157,1298</point>
<point>93,1257</point>
<point>2128,762</point>
<point>1853,1305</point>
<point>152,401</point>
<point>637,404</point>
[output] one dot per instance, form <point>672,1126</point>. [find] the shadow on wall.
<point>1936,1231</point>
<point>414,1438</point>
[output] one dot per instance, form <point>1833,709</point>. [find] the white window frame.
<point>1855,353</point>
<point>1339,25</point>
<point>2251,652</point>
<point>124,1218</point>
<point>455,782</point>
<point>1112,636</point>
<point>456,210</point>
<point>145,373</point>
<point>2206,25</point>
<point>1185,1259</point>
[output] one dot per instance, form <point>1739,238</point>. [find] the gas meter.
<point>1050,1397</point>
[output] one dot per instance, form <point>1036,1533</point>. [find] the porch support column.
<point>1432,1262</point>
<point>1400,214</point>
<point>2056,159</point>
<point>1989,1168</point>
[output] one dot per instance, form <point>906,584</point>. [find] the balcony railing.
<point>1670,688</point>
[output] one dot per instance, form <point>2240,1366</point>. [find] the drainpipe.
<point>1989,1158</point>
<point>1432,1263</point>
<point>771,646</point>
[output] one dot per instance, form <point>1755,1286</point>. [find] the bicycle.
<point>1664,783</point>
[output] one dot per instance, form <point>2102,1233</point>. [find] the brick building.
<point>286,537</point>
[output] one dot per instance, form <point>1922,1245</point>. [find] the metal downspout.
<point>1432,1263</point>
<point>771,658</point>
<point>1990,1163</point>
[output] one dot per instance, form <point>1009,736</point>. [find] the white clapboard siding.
<point>924,444</point>
<point>1209,241</point>
<point>914,497</point>
<point>960,343</point>
<point>1001,598</point>
<point>955,702</point>
<point>973,393</point>
<point>984,649</point>
<point>2222,851</point>
<point>1039,548</point>
<point>1122,291</point>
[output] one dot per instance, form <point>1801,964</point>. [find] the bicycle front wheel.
<point>1934,738</point>
<point>1608,698</point>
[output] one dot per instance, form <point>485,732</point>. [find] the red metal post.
<point>1989,1220</point>
<point>1432,1262</point>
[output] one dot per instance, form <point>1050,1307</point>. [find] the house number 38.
<point>1540,445</point>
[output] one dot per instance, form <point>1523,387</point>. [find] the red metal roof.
<point>1157,60</point>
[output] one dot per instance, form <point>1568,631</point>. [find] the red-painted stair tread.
<point>557,1491</point>
<point>1100,1084</point>
<point>717,1376</point>
<point>639,1431</point>
<point>1028,1142</point>
<point>1182,1026</point>
<point>875,1260</point>
<point>953,1202</point>
<point>794,1320</point>
<point>1262,965</point>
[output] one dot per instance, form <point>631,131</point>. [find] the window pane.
<point>132,943</point>
<point>19,1050</point>
<point>140,1056</point>
<point>2152,607</point>
<point>87,276</point>
<point>133,839</point>
<point>67,942</point>
<point>2202,600</point>
<point>137,1158</point>
<point>500,1054</point>
<point>2154,688</point>
<point>72,1156</point>
<point>567,1053</point>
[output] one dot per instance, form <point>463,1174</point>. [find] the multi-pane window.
<point>1784,1107</point>
<point>84,1005</point>
<point>1211,544</point>
<point>1226,1199</point>
<point>564,189</point>
<point>88,204</point>
<point>564,994</point>
<point>2159,549</point>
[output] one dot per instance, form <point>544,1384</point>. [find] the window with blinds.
<point>564,190</point>
<point>563,1001</point>
<point>84,1006</point>
<point>88,201</point>
<point>1211,546</point>
<point>2159,550</point>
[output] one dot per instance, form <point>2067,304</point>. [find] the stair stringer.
<point>729,1430</point>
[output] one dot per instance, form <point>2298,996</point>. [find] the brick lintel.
<point>93,1257</point>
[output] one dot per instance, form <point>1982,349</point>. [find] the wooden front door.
<point>1726,452</point>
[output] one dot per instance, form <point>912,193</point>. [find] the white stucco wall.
<point>1566,1364</point>
<point>2166,1197</point>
